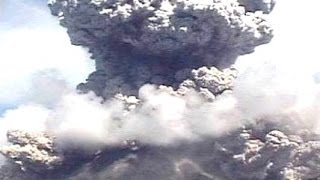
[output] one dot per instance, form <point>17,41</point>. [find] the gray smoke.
<point>157,107</point>
<point>158,42</point>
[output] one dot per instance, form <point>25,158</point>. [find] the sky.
<point>34,45</point>
<point>296,36</point>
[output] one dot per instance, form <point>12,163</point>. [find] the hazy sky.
<point>33,43</point>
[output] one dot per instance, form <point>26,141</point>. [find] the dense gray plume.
<point>165,78</point>
<point>158,41</point>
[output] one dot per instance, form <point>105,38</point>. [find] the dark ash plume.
<point>158,41</point>
<point>167,107</point>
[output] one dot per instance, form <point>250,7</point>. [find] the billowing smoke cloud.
<point>56,95</point>
<point>162,118</point>
<point>176,130</point>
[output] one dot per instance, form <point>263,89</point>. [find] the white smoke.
<point>160,119</point>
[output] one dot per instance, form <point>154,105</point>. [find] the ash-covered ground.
<point>166,101</point>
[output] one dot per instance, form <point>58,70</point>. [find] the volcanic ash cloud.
<point>164,101</point>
